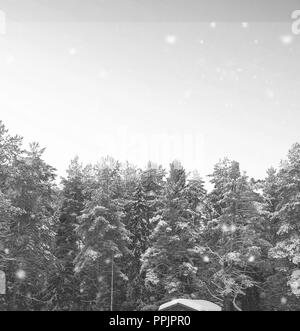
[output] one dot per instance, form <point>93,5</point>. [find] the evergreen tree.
<point>169,265</point>
<point>104,242</point>
<point>31,235</point>
<point>233,246</point>
<point>64,286</point>
<point>286,250</point>
<point>152,181</point>
<point>137,211</point>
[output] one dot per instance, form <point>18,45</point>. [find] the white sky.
<point>144,90</point>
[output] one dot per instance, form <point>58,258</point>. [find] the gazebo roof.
<point>199,305</point>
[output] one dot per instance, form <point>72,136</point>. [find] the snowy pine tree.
<point>104,242</point>
<point>169,265</point>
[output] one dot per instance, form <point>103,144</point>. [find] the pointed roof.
<point>199,305</point>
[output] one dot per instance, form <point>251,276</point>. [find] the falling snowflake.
<point>270,94</point>
<point>206,259</point>
<point>201,41</point>
<point>225,228</point>
<point>6,251</point>
<point>251,259</point>
<point>171,39</point>
<point>72,51</point>
<point>256,42</point>
<point>286,39</point>
<point>283,300</point>
<point>213,25</point>
<point>107,261</point>
<point>100,279</point>
<point>232,228</point>
<point>21,274</point>
<point>245,25</point>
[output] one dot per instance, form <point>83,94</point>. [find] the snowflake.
<point>283,300</point>
<point>171,39</point>
<point>72,51</point>
<point>225,228</point>
<point>286,39</point>
<point>270,94</point>
<point>100,279</point>
<point>213,25</point>
<point>6,251</point>
<point>206,259</point>
<point>251,259</point>
<point>21,274</point>
<point>245,25</point>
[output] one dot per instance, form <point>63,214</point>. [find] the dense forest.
<point>111,236</point>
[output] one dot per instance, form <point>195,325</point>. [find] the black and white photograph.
<point>149,157</point>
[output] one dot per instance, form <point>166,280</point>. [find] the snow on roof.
<point>200,305</point>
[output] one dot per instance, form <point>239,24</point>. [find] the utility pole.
<point>112,284</point>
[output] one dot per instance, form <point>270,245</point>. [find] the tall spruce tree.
<point>286,250</point>
<point>104,241</point>
<point>64,288</point>
<point>233,246</point>
<point>137,211</point>
<point>169,265</point>
<point>140,208</point>
<point>31,238</point>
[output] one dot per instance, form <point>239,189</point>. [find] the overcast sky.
<point>142,80</point>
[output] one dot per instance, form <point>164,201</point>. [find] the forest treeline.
<point>113,236</point>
